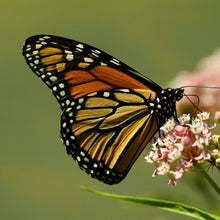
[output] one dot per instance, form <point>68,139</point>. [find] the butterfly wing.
<point>106,120</point>
<point>105,132</point>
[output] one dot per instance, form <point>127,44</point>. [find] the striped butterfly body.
<point>110,111</point>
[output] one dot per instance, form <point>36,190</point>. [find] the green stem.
<point>209,179</point>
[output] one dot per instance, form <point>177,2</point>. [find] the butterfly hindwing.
<point>106,131</point>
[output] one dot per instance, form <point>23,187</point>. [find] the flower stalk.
<point>208,178</point>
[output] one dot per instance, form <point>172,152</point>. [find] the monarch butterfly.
<point>110,111</point>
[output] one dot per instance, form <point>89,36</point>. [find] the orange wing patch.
<point>121,147</point>
<point>77,77</point>
<point>48,60</point>
<point>122,114</point>
<point>89,87</point>
<point>47,51</point>
<point>99,146</point>
<point>132,151</point>
<point>99,78</point>
<point>116,78</point>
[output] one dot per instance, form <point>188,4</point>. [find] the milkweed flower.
<point>182,145</point>
<point>206,73</point>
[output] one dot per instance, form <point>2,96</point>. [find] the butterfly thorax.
<point>164,104</point>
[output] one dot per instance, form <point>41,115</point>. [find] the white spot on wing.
<point>62,93</point>
<point>81,100</point>
<point>94,54</point>
<point>86,159</point>
<point>67,102</point>
<point>106,94</point>
<point>82,153</point>
<point>68,52</point>
<point>70,114</point>
<point>79,49</point>
<point>88,59</point>
<point>124,90</point>
<point>97,51</point>
<point>103,64</point>
<point>53,78</point>
<point>80,45</point>
<point>92,94</point>
<point>61,85</point>
<point>38,46</point>
<point>69,57</point>
<point>116,63</point>
<point>68,110</point>
<point>72,137</point>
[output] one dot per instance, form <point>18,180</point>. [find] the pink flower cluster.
<point>181,146</point>
<point>206,74</point>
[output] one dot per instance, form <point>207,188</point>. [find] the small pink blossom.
<point>217,116</point>
<point>174,154</point>
<point>184,119</point>
<point>163,168</point>
<point>204,116</point>
<point>181,146</point>
<point>169,126</point>
<point>197,126</point>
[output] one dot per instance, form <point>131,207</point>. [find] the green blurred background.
<point>158,38</point>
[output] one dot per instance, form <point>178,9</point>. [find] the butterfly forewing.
<point>63,63</point>
<point>110,111</point>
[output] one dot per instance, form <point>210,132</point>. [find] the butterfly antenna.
<point>205,87</point>
<point>195,105</point>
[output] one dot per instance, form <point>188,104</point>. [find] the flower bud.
<point>216,140</point>
<point>217,116</point>
<point>186,141</point>
<point>217,162</point>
